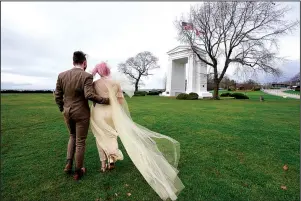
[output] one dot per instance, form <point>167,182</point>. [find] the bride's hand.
<point>120,101</point>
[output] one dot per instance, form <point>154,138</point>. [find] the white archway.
<point>176,75</point>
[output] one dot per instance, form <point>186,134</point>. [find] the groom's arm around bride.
<point>90,94</point>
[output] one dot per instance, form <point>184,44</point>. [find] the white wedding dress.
<point>155,155</point>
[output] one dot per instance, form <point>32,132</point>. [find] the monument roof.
<point>181,48</point>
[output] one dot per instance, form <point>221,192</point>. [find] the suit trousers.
<point>78,131</point>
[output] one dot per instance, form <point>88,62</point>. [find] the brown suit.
<point>73,90</point>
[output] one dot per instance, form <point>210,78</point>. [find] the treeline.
<point>232,85</point>
<point>26,91</point>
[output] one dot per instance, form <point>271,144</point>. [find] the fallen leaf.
<point>116,194</point>
<point>283,187</point>
<point>126,185</point>
<point>285,167</point>
<point>129,194</point>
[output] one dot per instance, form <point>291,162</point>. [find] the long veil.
<point>156,156</point>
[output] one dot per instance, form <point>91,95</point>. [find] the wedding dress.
<point>156,156</point>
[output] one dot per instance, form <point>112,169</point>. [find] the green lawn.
<point>292,92</point>
<point>230,150</point>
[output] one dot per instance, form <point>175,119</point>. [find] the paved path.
<point>279,92</point>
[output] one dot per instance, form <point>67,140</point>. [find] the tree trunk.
<point>136,86</point>
<point>216,87</point>
<point>137,83</point>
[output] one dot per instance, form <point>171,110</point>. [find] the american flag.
<point>187,26</point>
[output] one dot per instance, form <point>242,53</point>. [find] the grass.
<point>292,92</point>
<point>230,150</point>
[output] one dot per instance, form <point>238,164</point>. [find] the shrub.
<point>193,96</point>
<point>140,93</point>
<point>256,89</point>
<point>153,93</point>
<point>297,88</point>
<point>229,89</point>
<point>239,96</point>
<point>226,94</point>
<point>182,96</point>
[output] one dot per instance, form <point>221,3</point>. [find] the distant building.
<point>280,85</point>
<point>295,83</point>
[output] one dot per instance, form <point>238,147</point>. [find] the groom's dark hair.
<point>79,57</point>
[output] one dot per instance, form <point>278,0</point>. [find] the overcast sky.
<point>39,38</point>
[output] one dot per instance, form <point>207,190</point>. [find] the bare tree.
<point>225,82</point>
<point>242,33</point>
<point>139,66</point>
<point>296,78</point>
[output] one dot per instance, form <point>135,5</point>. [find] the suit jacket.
<point>74,88</point>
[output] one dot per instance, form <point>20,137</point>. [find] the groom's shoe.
<point>79,173</point>
<point>68,167</point>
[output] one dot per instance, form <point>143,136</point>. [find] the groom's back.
<point>72,83</point>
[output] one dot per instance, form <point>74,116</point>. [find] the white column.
<point>169,75</point>
<point>177,78</point>
<point>197,75</point>
<point>203,76</point>
<point>168,78</point>
<point>203,93</point>
<point>191,75</point>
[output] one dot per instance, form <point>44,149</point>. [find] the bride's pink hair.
<point>102,69</point>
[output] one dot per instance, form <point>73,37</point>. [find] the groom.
<point>74,88</point>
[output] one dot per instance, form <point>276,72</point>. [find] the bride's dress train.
<point>155,155</point>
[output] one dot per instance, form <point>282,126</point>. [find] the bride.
<point>155,155</point>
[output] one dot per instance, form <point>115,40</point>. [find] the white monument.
<point>176,73</point>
